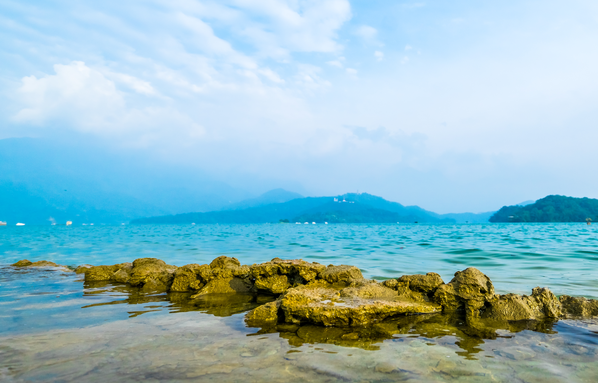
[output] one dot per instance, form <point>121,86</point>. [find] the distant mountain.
<point>350,208</point>
<point>553,208</point>
<point>270,197</point>
<point>43,181</point>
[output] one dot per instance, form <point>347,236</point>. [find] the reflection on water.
<point>221,305</point>
<point>467,336</point>
<point>428,326</point>
<point>56,328</point>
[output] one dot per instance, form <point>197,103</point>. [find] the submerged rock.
<point>40,264</point>
<point>264,315</point>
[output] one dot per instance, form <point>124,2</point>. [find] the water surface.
<point>54,327</point>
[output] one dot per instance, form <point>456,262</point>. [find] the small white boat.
<point>69,223</point>
<point>20,224</point>
<point>326,223</point>
<point>2,223</point>
<point>306,223</point>
<point>193,223</point>
<point>313,223</point>
<point>297,223</point>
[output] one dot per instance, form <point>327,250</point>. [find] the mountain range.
<point>346,208</point>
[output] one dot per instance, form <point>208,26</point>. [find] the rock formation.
<point>300,293</point>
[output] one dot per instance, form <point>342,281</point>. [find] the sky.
<point>453,106</point>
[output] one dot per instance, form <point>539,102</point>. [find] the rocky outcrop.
<point>308,293</point>
<point>342,274</point>
<point>363,304</point>
<point>578,306</point>
<point>541,304</point>
<point>470,290</point>
<point>279,275</point>
<point>41,264</point>
<point>151,274</point>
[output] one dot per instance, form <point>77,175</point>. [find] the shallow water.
<point>53,327</point>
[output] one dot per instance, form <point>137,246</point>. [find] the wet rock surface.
<point>41,264</point>
<point>300,293</point>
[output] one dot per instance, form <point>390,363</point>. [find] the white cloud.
<point>83,99</point>
<point>75,93</point>
<point>351,71</point>
<point>292,26</point>
<point>379,55</point>
<point>405,60</point>
<point>366,32</point>
<point>335,63</point>
<point>408,48</point>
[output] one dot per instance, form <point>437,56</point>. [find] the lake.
<point>54,327</point>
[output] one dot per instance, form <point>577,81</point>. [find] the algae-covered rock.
<point>105,273</point>
<point>191,277</point>
<point>369,290</point>
<point>151,274</point>
<point>264,315</point>
<point>275,284</point>
<point>422,283</point>
<point>229,285</point>
<point>511,307</point>
<point>469,290</point>
<point>40,264</point>
<point>223,262</point>
<point>81,269</point>
<point>579,306</point>
<point>22,263</point>
<point>326,306</point>
<point>341,274</point>
<point>278,275</point>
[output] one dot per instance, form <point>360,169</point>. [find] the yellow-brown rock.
<point>341,274</point>
<point>540,305</point>
<point>22,263</point>
<point>151,274</point>
<point>191,277</point>
<point>422,283</point>
<point>106,273</point>
<point>231,285</point>
<point>326,306</point>
<point>264,315</point>
<point>278,275</point>
<point>579,306</point>
<point>40,264</point>
<point>469,290</point>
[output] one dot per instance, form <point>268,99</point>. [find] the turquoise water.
<point>49,319</point>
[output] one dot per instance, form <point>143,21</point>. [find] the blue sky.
<point>453,106</point>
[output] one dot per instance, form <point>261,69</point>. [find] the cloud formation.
<point>271,88</point>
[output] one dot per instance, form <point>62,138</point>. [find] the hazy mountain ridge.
<point>89,184</point>
<point>273,196</point>
<point>363,208</point>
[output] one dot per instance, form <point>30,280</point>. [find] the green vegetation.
<point>554,208</point>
